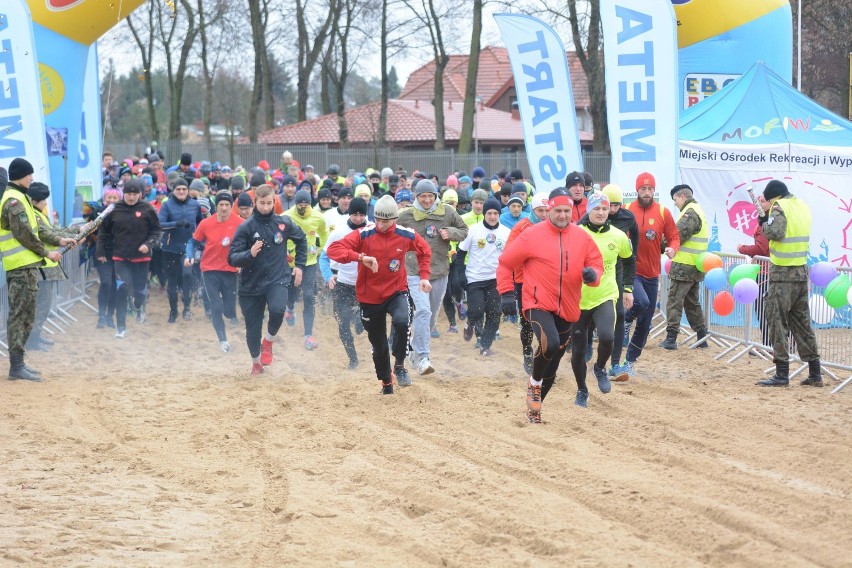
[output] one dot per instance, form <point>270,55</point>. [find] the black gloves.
<point>509,304</point>
<point>589,275</point>
<point>183,224</point>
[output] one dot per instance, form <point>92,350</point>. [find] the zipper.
<point>561,261</point>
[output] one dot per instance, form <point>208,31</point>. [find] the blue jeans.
<point>426,308</point>
<point>644,304</point>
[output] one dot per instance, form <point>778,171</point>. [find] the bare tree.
<point>591,59</point>
<point>206,21</point>
<point>138,29</point>
<point>310,43</point>
<point>470,84</point>
<point>258,19</point>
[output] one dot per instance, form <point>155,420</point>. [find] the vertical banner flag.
<point>719,40</point>
<point>640,58</point>
<point>88,185</point>
<point>545,99</point>
<point>22,133</point>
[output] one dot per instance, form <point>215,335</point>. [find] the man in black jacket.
<point>132,230</point>
<point>259,249</point>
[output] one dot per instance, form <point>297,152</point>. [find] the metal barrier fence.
<point>441,162</point>
<point>741,332</point>
<point>66,293</point>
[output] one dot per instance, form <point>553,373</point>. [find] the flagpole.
<point>799,48</point>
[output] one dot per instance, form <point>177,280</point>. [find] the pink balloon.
<point>668,266</point>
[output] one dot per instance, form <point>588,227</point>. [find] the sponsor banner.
<point>545,98</point>
<point>775,157</point>
<point>88,184</point>
<point>22,131</point>
<point>719,38</point>
<point>640,56</point>
<point>84,21</point>
<point>733,218</point>
<point>62,63</point>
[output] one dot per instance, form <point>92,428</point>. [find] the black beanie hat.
<point>491,203</point>
<point>134,186</point>
<point>186,159</point>
<point>238,182</point>
<point>775,188</point>
<point>257,179</point>
<point>244,200</point>
<point>224,195</point>
<point>357,205</point>
<point>303,196</point>
<point>324,194</point>
<point>19,169</point>
<point>38,191</point>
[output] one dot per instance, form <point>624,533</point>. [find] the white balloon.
<point>821,312</point>
<point>849,295</point>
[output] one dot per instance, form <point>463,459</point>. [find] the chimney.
<point>516,113</point>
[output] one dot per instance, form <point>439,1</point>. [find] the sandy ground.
<point>159,450</point>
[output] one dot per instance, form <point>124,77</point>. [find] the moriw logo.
<point>786,123</point>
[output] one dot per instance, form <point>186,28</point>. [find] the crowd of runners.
<point>561,263</point>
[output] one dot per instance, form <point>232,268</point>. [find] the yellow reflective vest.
<point>697,243</point>
<point>792,250</point>
<point>15,255</point>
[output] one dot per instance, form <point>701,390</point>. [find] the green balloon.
<point>699,261</point>
<point>835,292</point>
<point>743,271</point>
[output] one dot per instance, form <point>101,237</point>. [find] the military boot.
<point>781,378</point>
<point>702,333</point>
<point>814,378</point>
<point>19,371</point>
<point>670,342</point>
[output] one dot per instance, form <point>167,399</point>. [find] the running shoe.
<point>235,322</point>
<point>402,378</point>
<point>110,323</point>
<point>630,368</point>
<point>257,368</point>
<point>387,388</point>
<point>453,329</point>
<point>101,323</point>
<point>486,352</point>
<point>435,333</point>
<point>478,344</point>
<point>225,346</point>
<point>533,397</point>
<point>462,311</point>
<point>533,417</point>
<point>468,331</point>
<point>140,315</point>
<point>172,317</point>
<point>290,317</point>
<point>311,343</point>
<point>425,367</point>
<point>265,352</point>
<point>582,399</point>
<point>604,383</point>
<point>187,314</point>
<point>618,373</point>
<point>120,333</point>
<point>353,364</point>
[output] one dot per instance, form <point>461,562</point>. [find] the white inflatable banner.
<point>88,185</point>
<point>22,133</point>
<point>640,55</point>
<point>545,98</point>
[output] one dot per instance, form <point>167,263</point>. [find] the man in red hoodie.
<point>557,257</point>
<point>382,284</point>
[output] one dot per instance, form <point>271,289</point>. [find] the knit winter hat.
<point>613,193</point>
<point>596,199</point>
<point>479,194</point>
<point>238,182</point>
<point>303,196</point>
<point>574,178</point>
<point>257,179</point>
<point>358,205</point>
<point>244,200</point>
<point>38,191</point>
<point>452,181</point>
<point>19,169</point>
<point>224,195</point>
<point>426,186</point>
<point>450,196</point>
<point>197,185</point>
<point>385,208</point>
<point>404,195</point>
<point>775,188</point>
<point>478,172</point>
<point>645,179</point>
<point>490,204</point>
<point>515,199</point>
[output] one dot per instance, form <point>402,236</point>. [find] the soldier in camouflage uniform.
<point>23,255</point>
<point>788,227</point>
<point>685,278</point>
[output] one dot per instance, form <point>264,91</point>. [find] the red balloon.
<point>668,265</point>
<point>723,303</point>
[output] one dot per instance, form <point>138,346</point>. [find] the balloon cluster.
<point>838,292</point>
<point>742,279</point>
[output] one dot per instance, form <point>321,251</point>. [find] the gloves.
<point>589,275</point>
<point>509,304</point>
<point>459,279</point>
<point>183,224</point>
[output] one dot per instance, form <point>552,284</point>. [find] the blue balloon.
<point>716,280</point>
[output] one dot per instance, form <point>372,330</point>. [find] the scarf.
<point>420,213</point>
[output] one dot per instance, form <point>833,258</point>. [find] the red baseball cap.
<point>645,179</point>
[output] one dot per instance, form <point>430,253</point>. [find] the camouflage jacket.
<point>774,228</point>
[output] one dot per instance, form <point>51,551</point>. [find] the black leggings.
<point>526,329</point>
<point>106,290</point>
<point>401,310</point>
<point>179,279</point>
<point>553,334</point>
<point>603,319</point>
<point>220,288</point>
<point>345,302</point>
<point>253,307</point>
<point>449,304</point>
<point>133,278</point>
<point>483,309</point>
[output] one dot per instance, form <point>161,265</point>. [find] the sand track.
<point>161,450</point>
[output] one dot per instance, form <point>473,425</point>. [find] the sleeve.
<point>104,237</point>
<point>633,234</point>
<point>322,231</point>
<point>688,225</point>
<point>155,233</point>
<point>458,230</point>
<point>165,218</point>
<point>670,230</point>
<point>594,259</point>
<point>775,227</point>
<point>424,256</point>
<point>628,264</point>
<point>239,253</point>
<point>47,234</point>
<point>325,266</point>
<point>465,244</point>
<point>297,237</point>
<point>346,249</point>
<point>198,237</point>
<point>19,225</point>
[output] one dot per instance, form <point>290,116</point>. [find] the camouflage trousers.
<point>22,286</point>
<point>787,311</point>
<point>683,295</point>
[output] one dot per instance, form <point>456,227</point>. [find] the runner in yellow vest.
<point>694,232</point>
<point>23,255</point>
<point>788,229</point>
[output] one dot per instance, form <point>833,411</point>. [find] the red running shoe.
<point>256,369</point>
<point>265,352</point>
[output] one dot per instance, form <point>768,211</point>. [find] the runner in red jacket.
<point>557,258</point>
<point>382,286</point>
